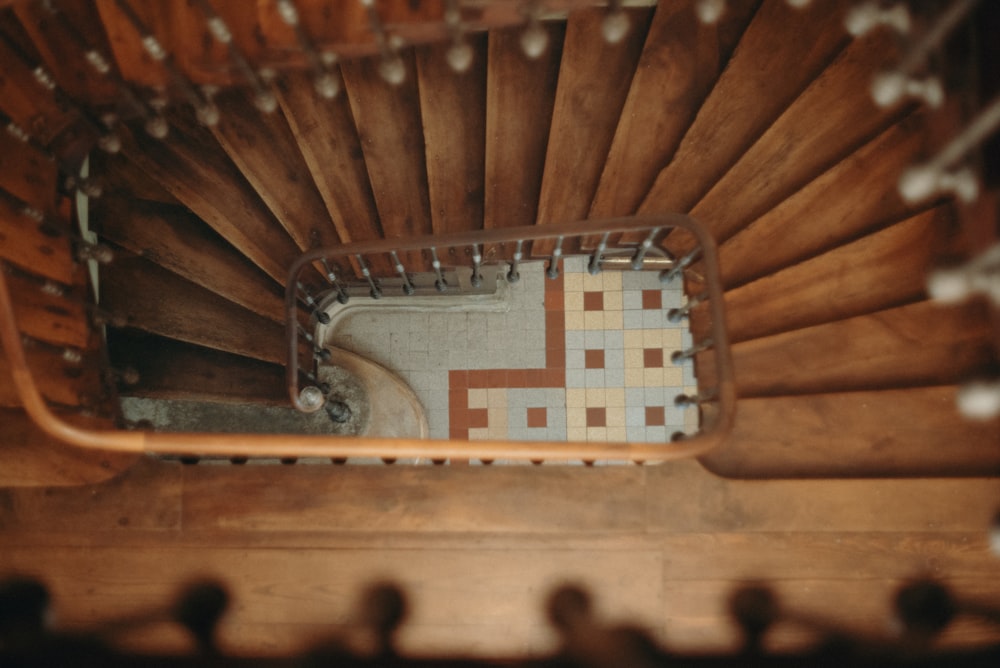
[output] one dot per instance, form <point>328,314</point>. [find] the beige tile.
<point>497,432</point>
<point>615,416</point>
<point>593,282</point>
<point>632,338</point>
<point>596,397</point>
<point>578,434</point>
<point>690,389</point>
<point>576,417</point>
<point>614,396</point>
<point>479,434</point>
<point>572,282</point>
<point>477,398</point>
<point>597,434</point>
<point>496,397</point>
<point>652,338</point>
<point>671,338</point>
<point>633,358</point>
<point>613,320</point>
<point>673,376</point>
<point>613,300</point>
<point>691,417</point>
<point>573,301</point>
<point>617,435</point>
<point>652,377</point>
<point>593,320</point>
<point>634,377</point>
<point>612,282</point>
<point>574,320</point>
<point>576,397</point>
<point>497,417</point>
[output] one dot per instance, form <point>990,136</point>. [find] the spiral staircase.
<point>760,124</point>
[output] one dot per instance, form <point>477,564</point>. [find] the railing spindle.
<point>375,291</point>
<point>680,356</point>
<point>553,269</point>
<point>513,274</point>
<point>440,284</point>
<point>326,80</point>
<point>678,269</point>
<point>640,252</point>
<point>408,288</point>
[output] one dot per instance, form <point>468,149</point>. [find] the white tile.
<point>575,378</point>
<point>575,359</point>
<point>575,340</point>
<point>593,339</point>
<point>593,377</point>
<point>632,320</point>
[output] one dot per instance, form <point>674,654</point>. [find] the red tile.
<point>497,377</point>
<point>593,359</point>
<point>554,301</point>
<point>458,379</point>
<point>597,417</point>
<point>652,299</point>
<point>517,378</point>
<point>478,418</point>
<point>458,400</point>
<point>655,416</point>
<point>478,379</point>
<point>652,358</point>
<point>538,417</point>
<point>554,320</point>
<point>555,378</point>
<point>459,434</point>
<point>593,301</point>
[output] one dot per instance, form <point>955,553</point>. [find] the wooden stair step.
<point>833,117</point>
<point>918,344</point>
<point>890,433</point>
<point>520,94</point>
<point>159,301</point>
<point>856,196</point>
<point>25,246</point>
<point>765,74</point>
<point>171,369</point>
<point>177,240</point>
<point>54,319</point>
<point>879,271</point>
<point>663,99</point>
<point>60,381</point>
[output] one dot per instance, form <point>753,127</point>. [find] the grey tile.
<point>593,339</point>
<point>593,377</point>
<point>575,378</point>
<point>614,377</point>
<point>613,340</point>
<point>575,359</point>
<point>574,340</point>
<point>632,320</point>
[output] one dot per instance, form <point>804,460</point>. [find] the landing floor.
<point>578,358</point>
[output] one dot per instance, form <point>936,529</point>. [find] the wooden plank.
<point>388,122</point>
<point>191,167</point>
<point>119,177</point>
<point>889,433</point>
<point>453,115</point>
<point>749,95</point>
<point>879,271</point>
<point>681,59</point>
<point>23,245</point>
<point>57,320</point>
<point>132,60</point>
<point>28,174</point>
<point>31,458</point>
<point>158,301</point>
<point>829,121</point>
<point>918,344</point>
<point>854,197</point>
<point>265,151</point>
<point>177,240</point>
<point>170,369</point>
<point>519,101</point>
<point>594,80</point>
<point>59,381</point>
<point>329,143</point>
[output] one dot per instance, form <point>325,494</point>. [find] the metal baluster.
<point>679,356</point>
<point>439,283</point>
<point>392,68</point>
<point>891,86</point>
<point>477,261</point>
<point>553,271</point>
<point>342,295</point>
<point>939,175</point>
<point>311,377</point>
<point>679,267</point>
<point>513,275</point>
<point>866,16</point>
<point>154,123</point>
<point>534,39</point>
<point>980,275</point>
<point>689,400</point>
<point>45,79</point>
<point>640,252</point>
<point>401,270</point>
<point>979,400</point>
<point>129,375</point>
<point>675,315</point>
<point>327,81</point>
<point>615,25</point>
<point>321,316</point>
<point>594,266</point>
<point>264,99</point>
<point>376,291</point>
<point>710,11</point>
<point>74,181</point>
<point>460,53</point>
<point>205,109</point>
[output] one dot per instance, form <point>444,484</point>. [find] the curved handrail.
<point>271,445</point>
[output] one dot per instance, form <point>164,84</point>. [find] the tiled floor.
<point>579,358</point>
